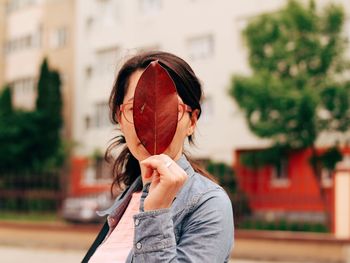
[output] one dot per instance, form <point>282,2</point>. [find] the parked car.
<point>83,208</point>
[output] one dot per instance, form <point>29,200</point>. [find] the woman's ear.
<point>194,119</point>
<point>119,121</point>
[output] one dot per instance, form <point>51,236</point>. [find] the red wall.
<point>302,193</point>
<point>77,186</point>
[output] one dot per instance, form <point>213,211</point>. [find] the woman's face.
<point>185,127</point>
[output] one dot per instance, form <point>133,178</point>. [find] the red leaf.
<point>155,109</point>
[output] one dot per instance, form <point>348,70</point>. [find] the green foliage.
<point>257,159</point>
<point>6,107</point>
<point>30,140</point>
<point>227,179</point>
<point>19,137</point>
<point>224,174</point>
<point>297,89</point>
<point>32,216</point>
<point>283,225</point>
<point>49,100</point>
<point>96,155</point>
<point>328,159</point>
<point>331,157</point>
<point>49,104</point>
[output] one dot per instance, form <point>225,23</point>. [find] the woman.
<point>171,210</point>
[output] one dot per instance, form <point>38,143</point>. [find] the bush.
<point>283,225</point>
<point>227,179</point>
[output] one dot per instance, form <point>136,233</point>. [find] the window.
<point>103,170</point>
<point>101,118</point>
<point>14,5</point>
<point>37,42</point>
<point>98,171</point>
<point>20,43</point>
<point>59,38</point>
<point>148,48</point>
<point>326,177</point>
<point>201,47</point>
<point>280,176</point>
<point>88,72</point>
<point>347,30</point>
<point>89,22</point>
<point>24,87</point>
<point>150,7</point>
<point>27,41</point>
<point>207,109</point>
<point>107,61</point>
<point>87,122</point>
<point>24,93</point>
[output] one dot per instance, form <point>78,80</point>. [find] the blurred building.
<point>32,30</point>
<point>2,36</point>
<point>205,33</point>
<point>88,40</point>
<point>289,190</point>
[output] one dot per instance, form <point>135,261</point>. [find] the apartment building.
<point>32,30</point>
<point>88,40</point>
<point>59,28</point>
<point>2,36</point>
<point>205,33</point>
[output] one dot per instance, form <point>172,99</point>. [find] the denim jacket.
<point>198,227</point>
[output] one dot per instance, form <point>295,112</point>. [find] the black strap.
<point>104,231</point>
<point>118,215</point>
<point>100,237</point>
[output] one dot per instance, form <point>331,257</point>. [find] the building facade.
<point>205,33</point>
<point>2,36</point>
<point>33,30</point>
<point>88,40</point>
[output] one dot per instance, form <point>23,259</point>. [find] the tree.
<point>6,107</point>
<point>30,140</point>
<point>49,100</point>
<point>297,88</point>
<point>49,110</point>
<point>8,146</point>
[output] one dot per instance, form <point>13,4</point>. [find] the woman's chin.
<point>142,153</point>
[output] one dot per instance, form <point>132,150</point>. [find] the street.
<point>60,242</point>
<point>37,255</point>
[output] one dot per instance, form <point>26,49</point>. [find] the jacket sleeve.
<point>207,233</point>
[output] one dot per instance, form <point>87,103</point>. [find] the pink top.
<point>117,246</point>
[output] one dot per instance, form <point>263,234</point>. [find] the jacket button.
<point>138,245</point>
<point>137,222</point>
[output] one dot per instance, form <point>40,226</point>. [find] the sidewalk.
<point>47,235</point>
<point>32,255</point>
<point>293,246</point>
<point>249,245</point>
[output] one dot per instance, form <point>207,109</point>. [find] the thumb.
<point>147,172</point>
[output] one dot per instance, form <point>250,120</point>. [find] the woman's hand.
<point>166,179</point>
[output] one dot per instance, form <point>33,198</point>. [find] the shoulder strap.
<point>100,237</point>
<point>126,195</point>
<point>105,229</point>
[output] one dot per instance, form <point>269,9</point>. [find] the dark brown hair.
<point>126,167</point>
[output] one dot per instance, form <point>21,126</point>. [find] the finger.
<point>162,157</point>
<point>154,181</point>
<point>156,164</point>
<point>148,172</point>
